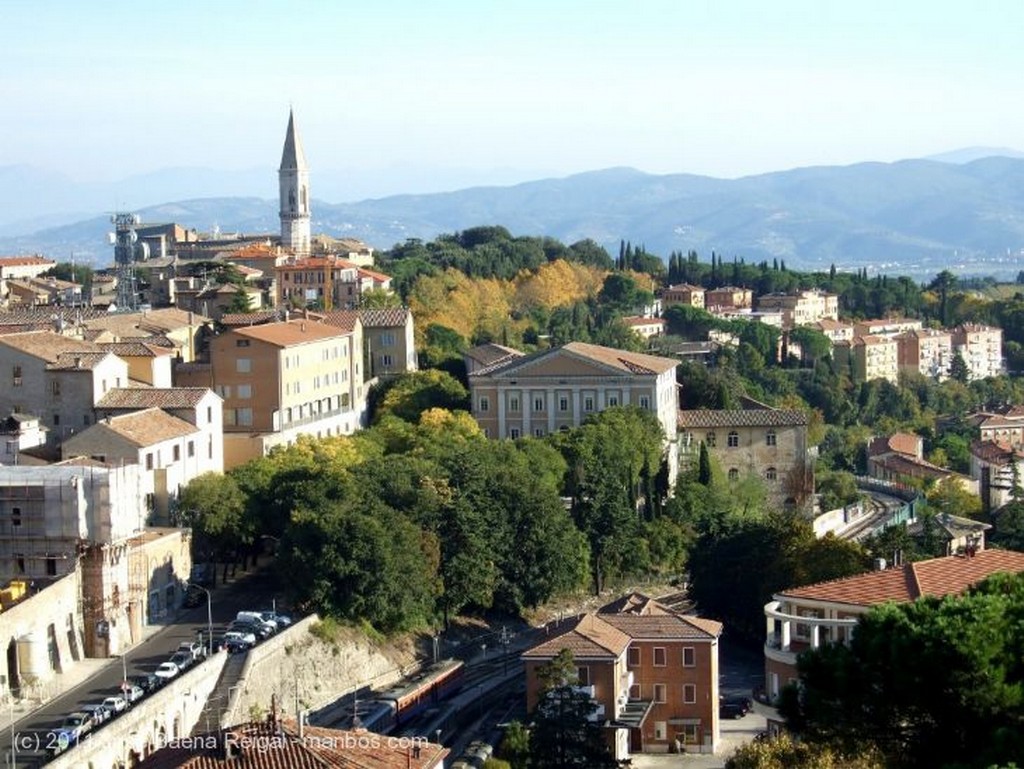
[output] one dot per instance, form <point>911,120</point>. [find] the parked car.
<point>98,712</point>
<point>731,710</point>
<point>194,648</point>
<point>116,703</point>
<point>194,596</point>
<point>132,693</point>
<point>165,671</point>
<point>183,660</point>
<point>256,618</point>
<point>146,681</point>
<point>75,725</point>
<point>745,703</point>
<point>261,631</point>
<point>282,620</point>
<point>240,636</point>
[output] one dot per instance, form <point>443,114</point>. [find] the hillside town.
<point>522,498</point>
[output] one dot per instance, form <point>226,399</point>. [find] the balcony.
<point>784,645</point>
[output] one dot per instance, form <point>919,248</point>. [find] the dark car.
<point>260,631</point>
<point>734,707</point>
<point>194,596</point>
<point>147,682</point>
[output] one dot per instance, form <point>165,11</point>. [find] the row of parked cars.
<point>247,629</point>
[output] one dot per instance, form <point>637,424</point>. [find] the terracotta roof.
<point>911,466</point>
<point>47,345</point>
<point>249,318</point>
<point>136,324</point>
<point>266,745</point>
<point>697,418</point>
<point>834,325</point>
<point>900,443</point>
<point>590,637</point>
<point>153,397</point>
<point>343,319</point>
<point>998,420</point>
<point>25,261</point>
<point>664,622</point>
<point>389,317</point>
<point>627,362</point>
<point>489,353</point>
<point>936,577</point>
<point>636,320</point>
<point>135,349</point>
<point>77,361</point>
<point>287,333</point>
<point>993,452</point>
<point>144,428</point>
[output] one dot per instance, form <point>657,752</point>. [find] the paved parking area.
<point>734,732</point>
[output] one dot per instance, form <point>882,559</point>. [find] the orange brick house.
<point>827,612</point>
<point>652,672</point>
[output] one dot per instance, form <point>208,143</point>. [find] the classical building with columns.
<point>559,388</point>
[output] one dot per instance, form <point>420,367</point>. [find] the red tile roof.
<point>153,397</point>
<point>25,261</point>
<point>266,745</point>
<point>590,637</point>
<point>391,317</point>
<point>936,577</point>
<point>290,332</point>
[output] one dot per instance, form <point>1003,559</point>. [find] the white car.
<point>240,636</point>
<point>132,693</point>
<point>116,704</point>
<point>165,671</point>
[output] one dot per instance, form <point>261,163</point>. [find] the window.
<point>51,566</point>
<point>15,516</point>
<point>243,365</point>
<point>634,692</point>
<point>583,675</point>
<point>690,734</point>
<point>209,414</point>
<point>17,376</point>
<point>55,387</point>
<point>19,563</point>
<point>613,401</point>
<point>659,656</point>
<point>513,433</point>
<point>191,449</point>
<point>485,403</point>
<point>538,432</point>
<point>149,461</point>
<point>387,360</point>
<point>176,455</point>
<point>659,692</point>
<point>387,339</point>
<point>645,402</point>
<point>660,731</point>
<point>209,448</point>
<point>243,416</point>
<point>689,657</point>
<point>634,657</point>
<point>709,439</point>
<point>56,419</point>
<point>241,343</point>
<point>734,439</point>
<point>588,403</point>
<point>769,438</point>
<point>771,474</point>
<point>734,474</point>
<point>244,391</point>
<point>538,404</point>
<point>563,403</point>
<point>689,694</point>
<point>513,403</point>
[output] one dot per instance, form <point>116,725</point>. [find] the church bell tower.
<point>293,177</point>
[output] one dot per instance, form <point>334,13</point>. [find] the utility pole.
<point>505,638</point>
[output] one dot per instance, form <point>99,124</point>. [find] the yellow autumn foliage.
<point>557,284</point>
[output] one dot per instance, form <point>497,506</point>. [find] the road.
<point>254,591</point>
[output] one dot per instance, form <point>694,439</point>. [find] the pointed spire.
<point>293,158</point>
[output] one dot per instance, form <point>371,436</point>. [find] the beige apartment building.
<point>304,282</point>
<point>928,352</point>
<point>645,327</point>
<point>728,298</point>
<point>835,330</point>
<point>24,266</point>
<point>389,340</point>
<point>869,357</point>
<point>886,326</point>
<point>559,388</point>
<point>802,308</point>
<point>281,380</point>
<point>768,443</point>
<point>683,293</point>
<point>981,348</point>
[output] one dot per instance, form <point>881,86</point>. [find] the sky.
<point>426,94</point>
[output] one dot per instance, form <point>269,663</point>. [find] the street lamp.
<point>209,616</point>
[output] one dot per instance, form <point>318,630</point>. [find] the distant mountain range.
<point>963,210</point>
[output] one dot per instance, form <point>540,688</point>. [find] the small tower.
<point>294,183</point>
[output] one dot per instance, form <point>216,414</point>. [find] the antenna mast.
<point>124,238</point>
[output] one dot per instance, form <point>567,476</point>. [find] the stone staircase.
<point>220,697</point>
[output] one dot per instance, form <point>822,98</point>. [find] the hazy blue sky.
<point>500,89</point>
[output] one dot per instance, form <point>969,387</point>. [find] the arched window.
<point>734,474</point>
<point>771,474</point>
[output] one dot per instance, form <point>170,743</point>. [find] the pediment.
<point>558,364</point>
